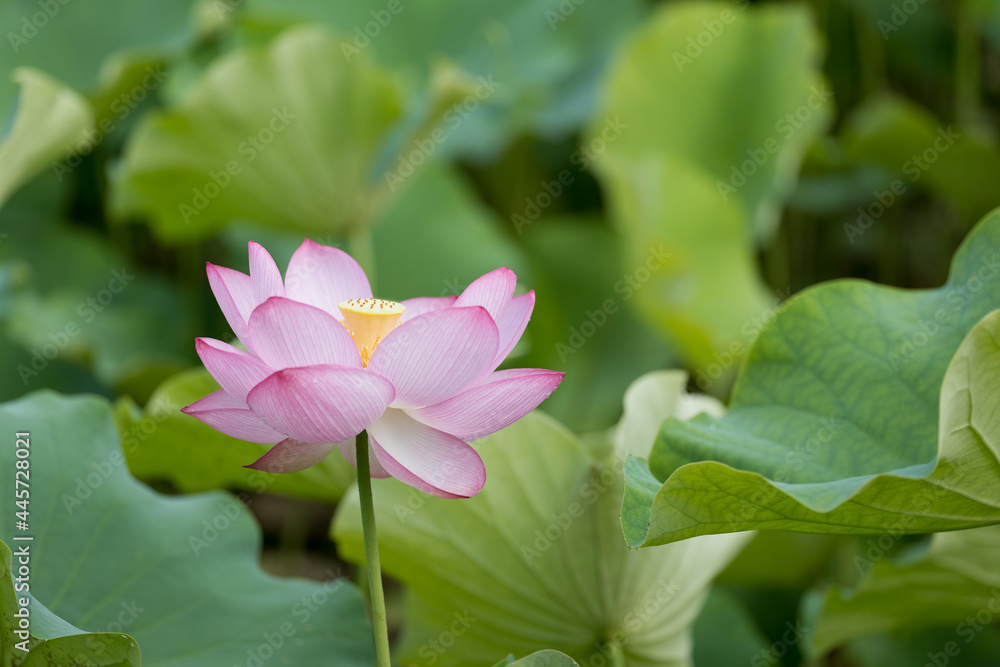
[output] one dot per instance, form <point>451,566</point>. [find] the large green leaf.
<point>50,121</point>
<point>546,55</point>
<point>833,426</point>
<point>921,151</point>
<point>948,586</point>
<point>708,112</point>
<point>536,561</point>
<point>44,644</point>
<point>284,137</point>
<point>180,574</point>
<point>162,443</point>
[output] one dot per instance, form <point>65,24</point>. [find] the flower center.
<point>369,321</point>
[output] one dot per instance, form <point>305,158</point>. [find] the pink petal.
<point>292,456</point>
<point>501,400</point>
<point>375,469</point>
<point>491,291</point>
<point>425,304</point>
<point>512,322</point>
<point>435,355</point>
<point>425,458</point>
<point>234,293</point>
<point>289,334</point>
<point>236,371</point>
<point>232,417</point>
<point>321,404</point>
<point>264,274</point>
<point>323,277</point>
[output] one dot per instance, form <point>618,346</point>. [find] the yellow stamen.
<point>369,321</point>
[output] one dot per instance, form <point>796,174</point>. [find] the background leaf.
<point>546,56</point>
<point>85,44</point>
<point>918,148</point>
<point>687,174</point>
<point>953,584</point>
<point>117,321</point>
<point>832,427</point>
<point>162,443</point>
<point>50,120</point>
<point>89,650</point>
<point>743,644</point>
<point>110,554</point>
<point>286,135</point>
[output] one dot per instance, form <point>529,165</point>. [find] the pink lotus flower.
<point>325,361</point>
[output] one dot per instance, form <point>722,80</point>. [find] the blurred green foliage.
<point>664,174</point>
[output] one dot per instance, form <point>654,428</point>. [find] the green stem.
<point>371,553</point>
<point>616,655</point>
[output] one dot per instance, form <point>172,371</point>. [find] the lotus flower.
<point>325,361</point>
